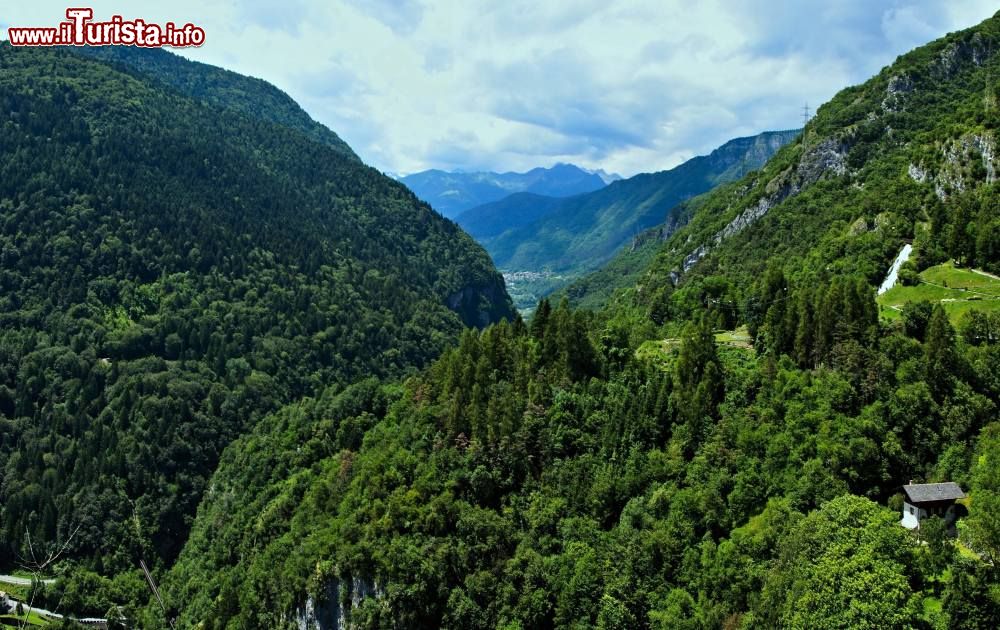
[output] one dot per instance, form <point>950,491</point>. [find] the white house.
<point>921,500</point>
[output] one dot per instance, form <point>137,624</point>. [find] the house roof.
<point>926,492</point>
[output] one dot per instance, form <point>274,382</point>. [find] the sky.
<point>500,85</point>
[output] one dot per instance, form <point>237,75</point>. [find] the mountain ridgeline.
<point>635,467</point>
<point>453,193</point>
<point>183,252</point>
<point>574,235</point>
<point>218,87</point>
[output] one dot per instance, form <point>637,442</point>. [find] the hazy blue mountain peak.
<point>453,192</point>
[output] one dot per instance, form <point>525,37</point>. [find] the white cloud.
<point>625,86</point>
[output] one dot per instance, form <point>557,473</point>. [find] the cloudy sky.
<point>627,86</point>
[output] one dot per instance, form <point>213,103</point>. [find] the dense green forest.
<point>631,467</point>
<point>173,269</point>
<point>624,469</point>
<point>218,87</point>
<point>531,480</point>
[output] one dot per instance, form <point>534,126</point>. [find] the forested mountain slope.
<point>217,86</point>
<point>911,154</point>
<point>514,211</point>
<point>172,270</point>
<point>908,155</point>
<point>632,469</point>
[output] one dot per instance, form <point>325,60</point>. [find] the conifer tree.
<point>939,353</point>
<point>698,383</point>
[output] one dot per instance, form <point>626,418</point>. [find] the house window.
<point>911,509</point>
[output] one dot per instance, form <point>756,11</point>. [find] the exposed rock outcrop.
<point>917,173</point>
<point>330,608</point>
<point>481,305</point>
<point>895,93</point>
<point>976,50</point>
<point>691,259</point>
<point>977,149</point>
<point>828,156</point>
<point>825,158</point>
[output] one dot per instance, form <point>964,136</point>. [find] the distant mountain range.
<point>604,175</point>
<point>451,193</point>
<point>567,236</point>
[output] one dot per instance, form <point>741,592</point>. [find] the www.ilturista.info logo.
<point>80,30</point>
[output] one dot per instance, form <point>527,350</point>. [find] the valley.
<point>248,380</point>
<point>707,447</point>
<point>575,235</point>
<point>526,288</point>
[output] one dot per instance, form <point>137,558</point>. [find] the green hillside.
<point>491,220</point>
<point>639,467</point>
<point>594,290</point>
<point>218,87</point>
<point>907,155</point>
<point>174,270</point>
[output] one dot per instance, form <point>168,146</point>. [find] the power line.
<point>156,592</point>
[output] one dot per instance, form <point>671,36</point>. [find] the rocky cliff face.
<point>481,304</point>
<point>330,608</point>
<point>976,51</point>
<point>826,158</point>
<point>958,161</point>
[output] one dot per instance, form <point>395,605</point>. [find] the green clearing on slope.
<point>958,290</point>
<point>659,351</point>
<point>33,620</point>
